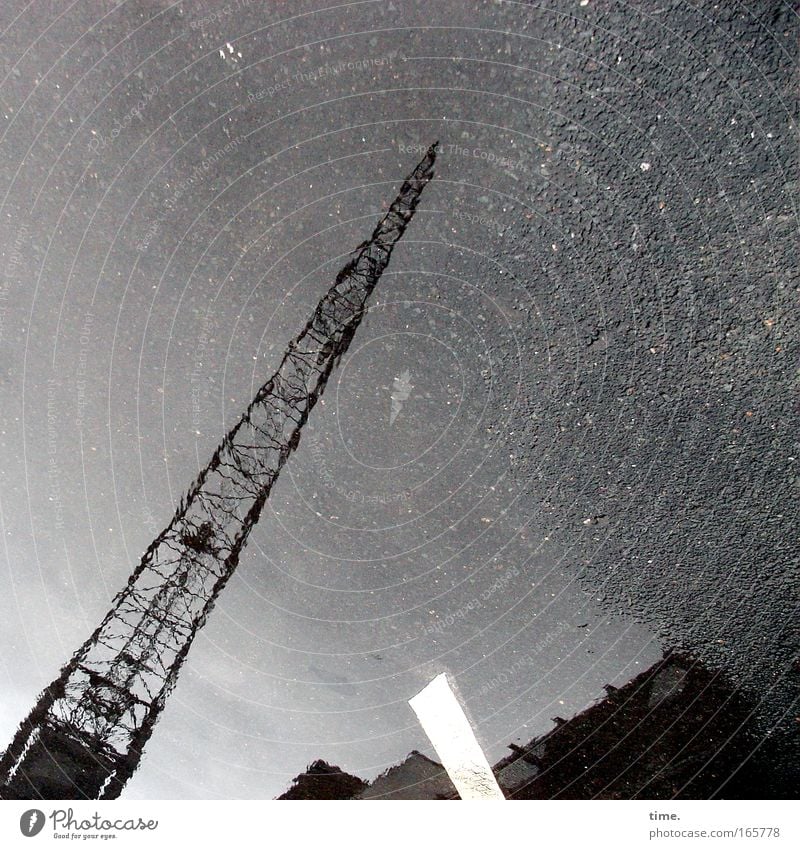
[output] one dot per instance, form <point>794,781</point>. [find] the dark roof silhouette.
<point>324,781</point>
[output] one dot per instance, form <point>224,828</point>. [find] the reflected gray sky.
<point>388,551</point>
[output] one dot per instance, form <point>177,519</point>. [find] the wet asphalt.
<point>564,438</point>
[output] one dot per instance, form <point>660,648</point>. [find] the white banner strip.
<point>390,824</point>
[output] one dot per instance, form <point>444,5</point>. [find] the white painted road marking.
<point>444,721</point>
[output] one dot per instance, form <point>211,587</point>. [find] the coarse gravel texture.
<point>664,245</point>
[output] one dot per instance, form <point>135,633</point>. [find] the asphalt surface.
<point>564,437</point>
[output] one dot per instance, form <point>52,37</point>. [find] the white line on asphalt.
<point>444,721</point>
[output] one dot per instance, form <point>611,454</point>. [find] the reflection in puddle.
<point>86,734</point>
<point>677,730</point>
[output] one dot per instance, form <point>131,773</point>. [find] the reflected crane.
<point>85,736</point>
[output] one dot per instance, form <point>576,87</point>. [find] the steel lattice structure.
<point>85,736</point>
